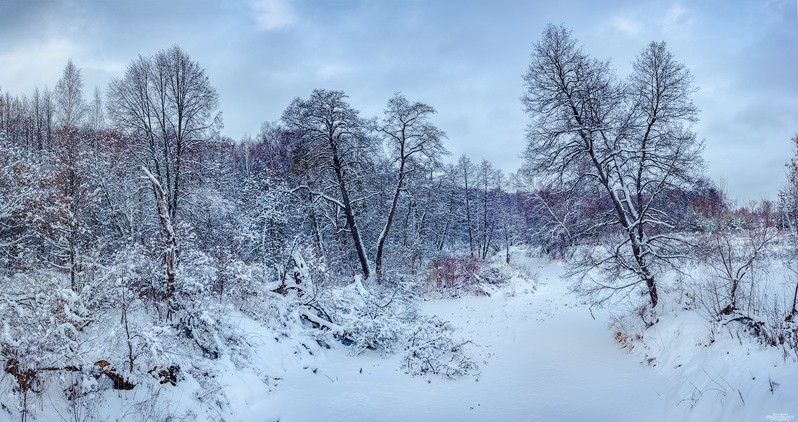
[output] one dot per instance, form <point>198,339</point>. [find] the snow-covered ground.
<point>543,355</point>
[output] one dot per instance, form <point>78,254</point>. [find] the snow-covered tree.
<point>334,144</point>
<point>630,138</point>
<point>166,106</point>
<point>71,108</point>
<point>415,145</point>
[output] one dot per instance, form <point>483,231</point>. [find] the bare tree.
<point>97,116</point>
<point>47,116</point>
<point>632,139</point>
<point>37,106</point>
<point>167,106</point>
<point>489,186</point>
<point>734,254</point>
<point>445,206</point>
<point>334,140</point>
<point>70,102</point>
<point>416,143</point>
<point>466,168</point>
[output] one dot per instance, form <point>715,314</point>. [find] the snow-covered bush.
<point>37,330</point>
<point>372,328</point>
<point>197,310</point>
<point>373,319</point>
<point>433,349</point>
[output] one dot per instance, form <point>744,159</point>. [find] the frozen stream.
<point>546,359</point>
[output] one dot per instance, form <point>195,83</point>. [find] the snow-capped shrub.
<point>374,322</point>
<point>40,321</point>
<point>433,349</point>
<point>494,274</point>
<point>371,330</point>
<point>198,312</point>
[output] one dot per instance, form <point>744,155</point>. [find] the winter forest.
<point>345,266</point>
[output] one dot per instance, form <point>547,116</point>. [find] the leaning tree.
<point>333,143</point>
<point>415,143</point>
<point>631,139</point>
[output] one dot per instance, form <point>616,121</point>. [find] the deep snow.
<point>544,355</point>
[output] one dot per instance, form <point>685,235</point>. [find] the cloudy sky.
<point>463,57</point>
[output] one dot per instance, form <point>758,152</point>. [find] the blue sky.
<point>465,58</point>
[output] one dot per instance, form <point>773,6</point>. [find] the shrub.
<point>432,349</point>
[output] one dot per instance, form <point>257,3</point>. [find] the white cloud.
<point>626,24</point>
<point>28,65</point>
<point>274,14</point>
<point>660,20</point>
<point>674,14</point>
<point>102,65</point>
<point>676,20</point>
<point>333,70</point>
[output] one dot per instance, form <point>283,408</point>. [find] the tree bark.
<point>170,251</point>
<point>652,291</point>
<point>350,216</point>
<point>468,211</point>
<point>389,222</point>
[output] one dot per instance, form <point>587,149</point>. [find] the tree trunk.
<point>442,241</point>
<point>388,223</point>
<point>170,251</point>
<point>127,333</point>
<point>468,212</point>
<point>506,244</point>
<point>350,216</point>
<point>652,291</point>
<point>637,250</point>
<point>735,283</point>
<point>72,259</point>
